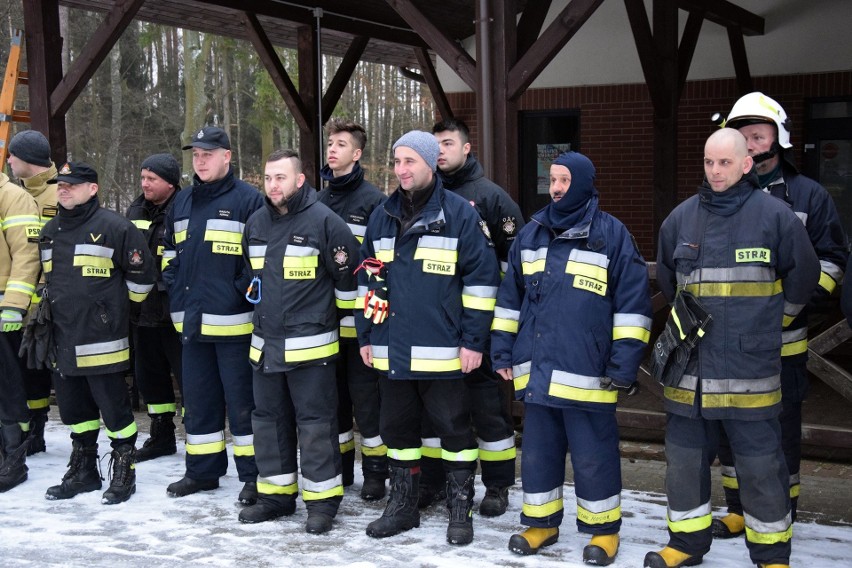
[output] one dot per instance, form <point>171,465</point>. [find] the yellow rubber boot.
<point>731,525</point>
<point>601,550</point>
<point>529,541</point>
<point>670,558</point>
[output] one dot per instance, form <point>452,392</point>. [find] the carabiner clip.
<point>253,292</point>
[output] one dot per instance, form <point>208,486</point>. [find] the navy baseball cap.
<point>209,138</point>
<point>77,172</point>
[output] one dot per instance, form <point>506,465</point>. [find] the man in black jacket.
<point>157,344</point>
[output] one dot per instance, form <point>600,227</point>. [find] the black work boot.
<point>267,508</point>
<point>36,434</point>
<point>374,487</point>
<point>401,513</point>
<point>460,504</point>
<point>162,440</point>
<point>248,494</point>
<point>123,477</point>
<point>82,475</point>
<point>13,456</point>
<point>187,486</point>
<point>495,502</point>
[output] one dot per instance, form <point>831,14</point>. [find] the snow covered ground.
<point>154,530</point>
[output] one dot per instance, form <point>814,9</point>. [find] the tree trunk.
<point>107,179</point>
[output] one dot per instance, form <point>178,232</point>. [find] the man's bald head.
<point>726,159</point>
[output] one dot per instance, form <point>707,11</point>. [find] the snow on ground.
<point>154,530</point>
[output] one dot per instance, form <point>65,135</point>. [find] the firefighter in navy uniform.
<point>748,261</point>
<point>461,173</point>
<point>29,160</point>
<point>427,289</point>
<point>572,321</point>
<point>19,270</point>
<point>303,259</point>
<point>95,264</point>
<point>846,298</point>
<point>157,346</point>
<point>353,199</point>
<point>206,280</point>
<point>765,125</point>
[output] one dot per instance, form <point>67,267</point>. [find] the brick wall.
<point>616,132</point>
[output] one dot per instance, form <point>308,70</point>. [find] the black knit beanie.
<point>32,147</point>
<point>165,166</point>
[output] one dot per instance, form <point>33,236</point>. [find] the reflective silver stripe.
<point>167,254</point>
<point>181,225</point>
<point>380,351</point>
<point>347,321</point>
<point>224,225</point>
<point>794,335</point>
<point>729,471</point>
<point>432,241</point>
<point>506,313</point>
<point>385,243</point>
<point>434,353</point>
<point>589,257</point>
<point>631,320</point>
<point>257,250</point>
<point>357,230</point>
<point>577,381</point>
<point>792,310</point>
<point>362,291</point>
<point>700,511</point>
<point>746,386</point>
<point>600,506</point>
<point>832,270</point>
<point>47,254</point>
<point>281,480</point>
<point>430,442</point>
<point>764,527</point>
<point>688,382</point>
<point>522,369</point>
<point>296,250</point>
<point>480,291</point>
<point>348,436</point>
<point>243,440</point>
<point>504,266</point>
<point>100,348</point>
<point>320,486</point>
<point>139,288</point>
<point>94,250</point>
<point>198,439</point>
<point>803,217</point>
<point>426,221</point>
<point>498,446</point>
<point>257,342</point>
<point>374,442</point>
<point>733,274</point>
<point>177,317</point>
<point>533,255</point>
<point>345,294</point>
<point>309,341</point>
<point>543,498</point>
<point>795,479</point>
<point>232,319</point>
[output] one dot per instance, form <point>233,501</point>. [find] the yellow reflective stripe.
<point>591,518</point>
<point>301,261</point>
<point>18,286</point>
<point>438,255</point>
<point>827,282</point>
<point>226,325</point>
<point>503,324</point>
<point>348,332</point>
<point>690,525</point>
<point>381,450</point>
<point>96,261</point>
<point>19,220</point>
<point>124,433</point>
<point>499,455</point>
<point>141,224</point>
<point>47,265</point>
<point>297,349</point>
<point>730,482</point>
<point>475,303</point>
<point>737,400</point>
<point>735,289</point>
<point>103,359</point>
<point>345,304</point>
<point>794,348</point>
<point>88,426</point>
<point>346,441</point>
<point>679,395</point>
<point>435,365</point>
<point>327,494</point>
<point>405,454</point>
<point>470,455</point>
<point>769,538</point>
<point>244,451</point>
<point>272,489</point>
<point>574,393</point>
<point>256,262</point>
<point>384,255</point>
<point>542,510</point>
<point>794,490</point>
<point>528,268</point>
<point>162,408</point>
<point>38,403</point>
<point>137,296</point>
<point>588,270</point>
<point>381,363</point>
<point>429,451</point>
<point>520,381</point>
<point>215,236</point>
<point>630,332</point>
<point>205,444</point>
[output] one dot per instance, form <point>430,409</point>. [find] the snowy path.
<point>153,530</point>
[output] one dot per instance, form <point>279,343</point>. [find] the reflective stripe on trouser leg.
<point>593,439</point>
<point>236,376</point>
<point>764,488</point>
<point>363,384</point>
<point>275,443</point>
<point>494,426</point>
<point>204,411</point>
<point>431,467</point>
<point>113,400</point>
<point>688,444</point>
<point>543,466</point>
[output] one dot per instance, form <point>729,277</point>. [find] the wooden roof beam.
<point>545,48</point>
<point>726,14</point>
<point>529,26</point>
<point>430,76</point>
<point>342,75</point>
<point>276,70</point>
<point>686,50</point>
<point>87,62</point>
<point>446,48</point>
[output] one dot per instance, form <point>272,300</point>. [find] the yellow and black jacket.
<point>19,253</point>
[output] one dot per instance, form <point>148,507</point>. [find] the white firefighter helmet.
<point>757,107</point>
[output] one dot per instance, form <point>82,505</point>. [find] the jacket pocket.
<point>764,341</point>
<point>685,257</point>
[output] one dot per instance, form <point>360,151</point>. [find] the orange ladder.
<point>8,113</point>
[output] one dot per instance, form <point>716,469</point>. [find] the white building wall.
<point>801,36</point>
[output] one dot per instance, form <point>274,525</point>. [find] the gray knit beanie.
<point>32,147</point>
<point>423,143</point>
<point>165,166</point>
